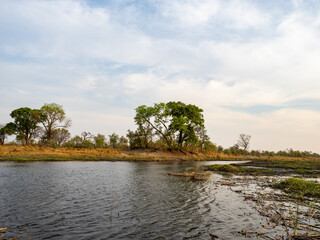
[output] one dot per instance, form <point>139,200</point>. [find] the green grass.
<point>299,187</point>
<point>239,170</point>
<point>307,164</point>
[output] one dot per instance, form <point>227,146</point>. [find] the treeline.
<point>173,125</point>
<point>236,151</point>
<point>49,126</point>
<point>165,126</point>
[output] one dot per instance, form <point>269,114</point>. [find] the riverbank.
<point>41,153</point>
<point>272,166</point>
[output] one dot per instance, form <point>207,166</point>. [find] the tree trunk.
<point>180,139</point>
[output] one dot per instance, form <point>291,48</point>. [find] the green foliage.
<point>79,142</point>
<point>123,142</point>
<point>118,142</point>
<point>153,121</point>
<point>223,168</point>
<point>4,132</point>
<point>60,136</point>
<point>52,117</point>
<point>114,140</point>
<point>175,124</point>
<point>141,138</point>
<point>239,170</point>
<point>100,141</point>
<point>185,119</point>
<point>285,153</point>
<point>25,124</point>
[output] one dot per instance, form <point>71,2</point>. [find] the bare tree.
<point>61,135</point>
<point>86,136</point>
<point>244,141</point>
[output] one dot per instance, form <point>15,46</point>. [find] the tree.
<point>100,141</point>
<point>123,142</point>
<point>4,132</point>
<point>25,124</point>
<point>141,138</point>
<point>60,136</point>
<point>114,140</point>
<point>76,142</point>
<point>244,141</point>
<point>175,123</point>
<point>86,136</point>
<point>155,118</point>
<point>185,119</point>
<point>52,118</point>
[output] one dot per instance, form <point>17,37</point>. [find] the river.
<point>118,200</point>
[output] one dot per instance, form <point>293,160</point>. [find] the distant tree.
<point>60,136</point>
<point>244,141</point>
<point>76,142</point>
<point>204,142</point>
<point>52,118</point>
<point>86,136</point>
<point>123,142</point>
<point>114,140</point>
<point>100,141</point>
<point>141,138</point>
<point>220,149</point>
<point>4,132</point>
<point>25,124</point>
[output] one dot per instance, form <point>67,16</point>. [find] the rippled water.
<point>118,200</point>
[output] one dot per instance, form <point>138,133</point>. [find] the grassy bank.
<point>239,170</point>
<point>38,153</point>
<point>299,187</point>
<point>272,166</point>
<point>256,166</point>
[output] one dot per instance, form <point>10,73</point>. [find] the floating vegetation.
<point>193,175</point>
<point>287,217</point>
<point>197,174</point>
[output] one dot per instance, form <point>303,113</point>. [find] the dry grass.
<point>28,153</point>
<point>38,153</point>
<point>197,173</point>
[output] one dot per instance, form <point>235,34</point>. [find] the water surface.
<point>118,200</point>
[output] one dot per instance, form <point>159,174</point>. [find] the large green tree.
<point>185,119</point>
<point>25,124</point>
<point>52,118</point>
<point>155,118</point>
<point>175,123</point>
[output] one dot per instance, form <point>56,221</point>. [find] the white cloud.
<point>231,14</point>
<point>191,13</point>
<point>99,66</point>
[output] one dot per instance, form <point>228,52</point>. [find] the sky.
<point>253,66</point>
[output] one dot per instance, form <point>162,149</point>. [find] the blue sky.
<point>253,66</point>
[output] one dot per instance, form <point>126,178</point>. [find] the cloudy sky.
<point>253,66</point>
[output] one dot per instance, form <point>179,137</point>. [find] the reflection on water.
<point>118,200</point>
